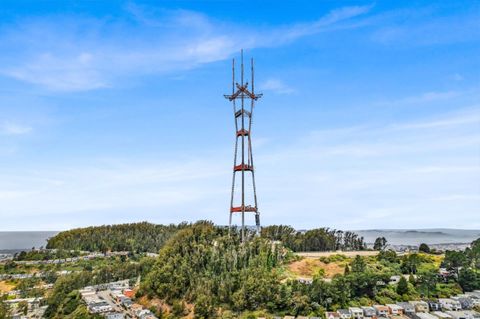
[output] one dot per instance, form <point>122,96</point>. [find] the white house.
<point>357,313</point>
<point>450,304</point>
<point>395,309</point>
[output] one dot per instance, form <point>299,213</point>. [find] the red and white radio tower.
<point>243,100</point>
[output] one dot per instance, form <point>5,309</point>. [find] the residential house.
<point>382,311</point>
<point>420,306</point>
<point>369,312</point>
<point>357,313</point>
<point>465,302</point>
<point>344,314</point>
<point>128,292</point>
<point>146,314</point>
<point>332,315</point>
<point>394,309</point>
<point>474,294</point>
<point>136,307</point>
<point>408,308</point>
<point>114,315</point>
<point>99,307</point>
<point>450,304</point>
<point>434,306</point>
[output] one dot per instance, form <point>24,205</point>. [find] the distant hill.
<point>418,236</point>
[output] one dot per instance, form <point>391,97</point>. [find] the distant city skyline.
<point>113,112</point>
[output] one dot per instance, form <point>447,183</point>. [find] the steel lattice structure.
<point>243,100</point>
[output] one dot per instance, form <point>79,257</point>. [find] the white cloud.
<point>277,86</point>
<point>64,54</point>
<point>10,128</point>
<point>350,178</point>
<point>426,97</point>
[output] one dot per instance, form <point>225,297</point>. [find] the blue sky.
<point>113,112</point>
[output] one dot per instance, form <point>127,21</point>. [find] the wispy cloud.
<point>425,97</point>
<point>10,128</point>
<point>65,53</point>
<point>277,86</point>
<point>351,177</point>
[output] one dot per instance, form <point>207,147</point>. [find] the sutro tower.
<point>243,100</point>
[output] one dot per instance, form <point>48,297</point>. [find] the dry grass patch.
<point>308,267</point>
<point>6,287</point>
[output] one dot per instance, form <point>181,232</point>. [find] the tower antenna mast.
<point>243,100</point>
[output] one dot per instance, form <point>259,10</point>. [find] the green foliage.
<point>388,256</point>
<point>411,280</point>
<point>427,282</point>
<point>358,264</point>
<point>454,260</point>
<point>410,263</point>
<point>208,267</point>
<point>468,279</point>
<point>380,243</point>
<point>4,309</point>
<point>320,239</point>
<point>402,286</point>
<point>138,237</point>
<point>424,248</point>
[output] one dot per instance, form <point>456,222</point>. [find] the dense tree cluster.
<point>146,237</point>
<point>137,237</point>
<point>464,266</point>
<point>204,266</point>
<point>208,266</point>
<point>319,239</point>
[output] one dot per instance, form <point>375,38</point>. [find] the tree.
<point>411,279</point>
<point>454,260</point>
<point>358,264</point>
<point>388,255</point>
<point>427,282</point>
<point>474,254</point>
<point>402,287</point>
<point>468,279</point>
<point>424,248</point>
<point>204,307</point>
<point>410,264</point>
<point>380,243</point>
